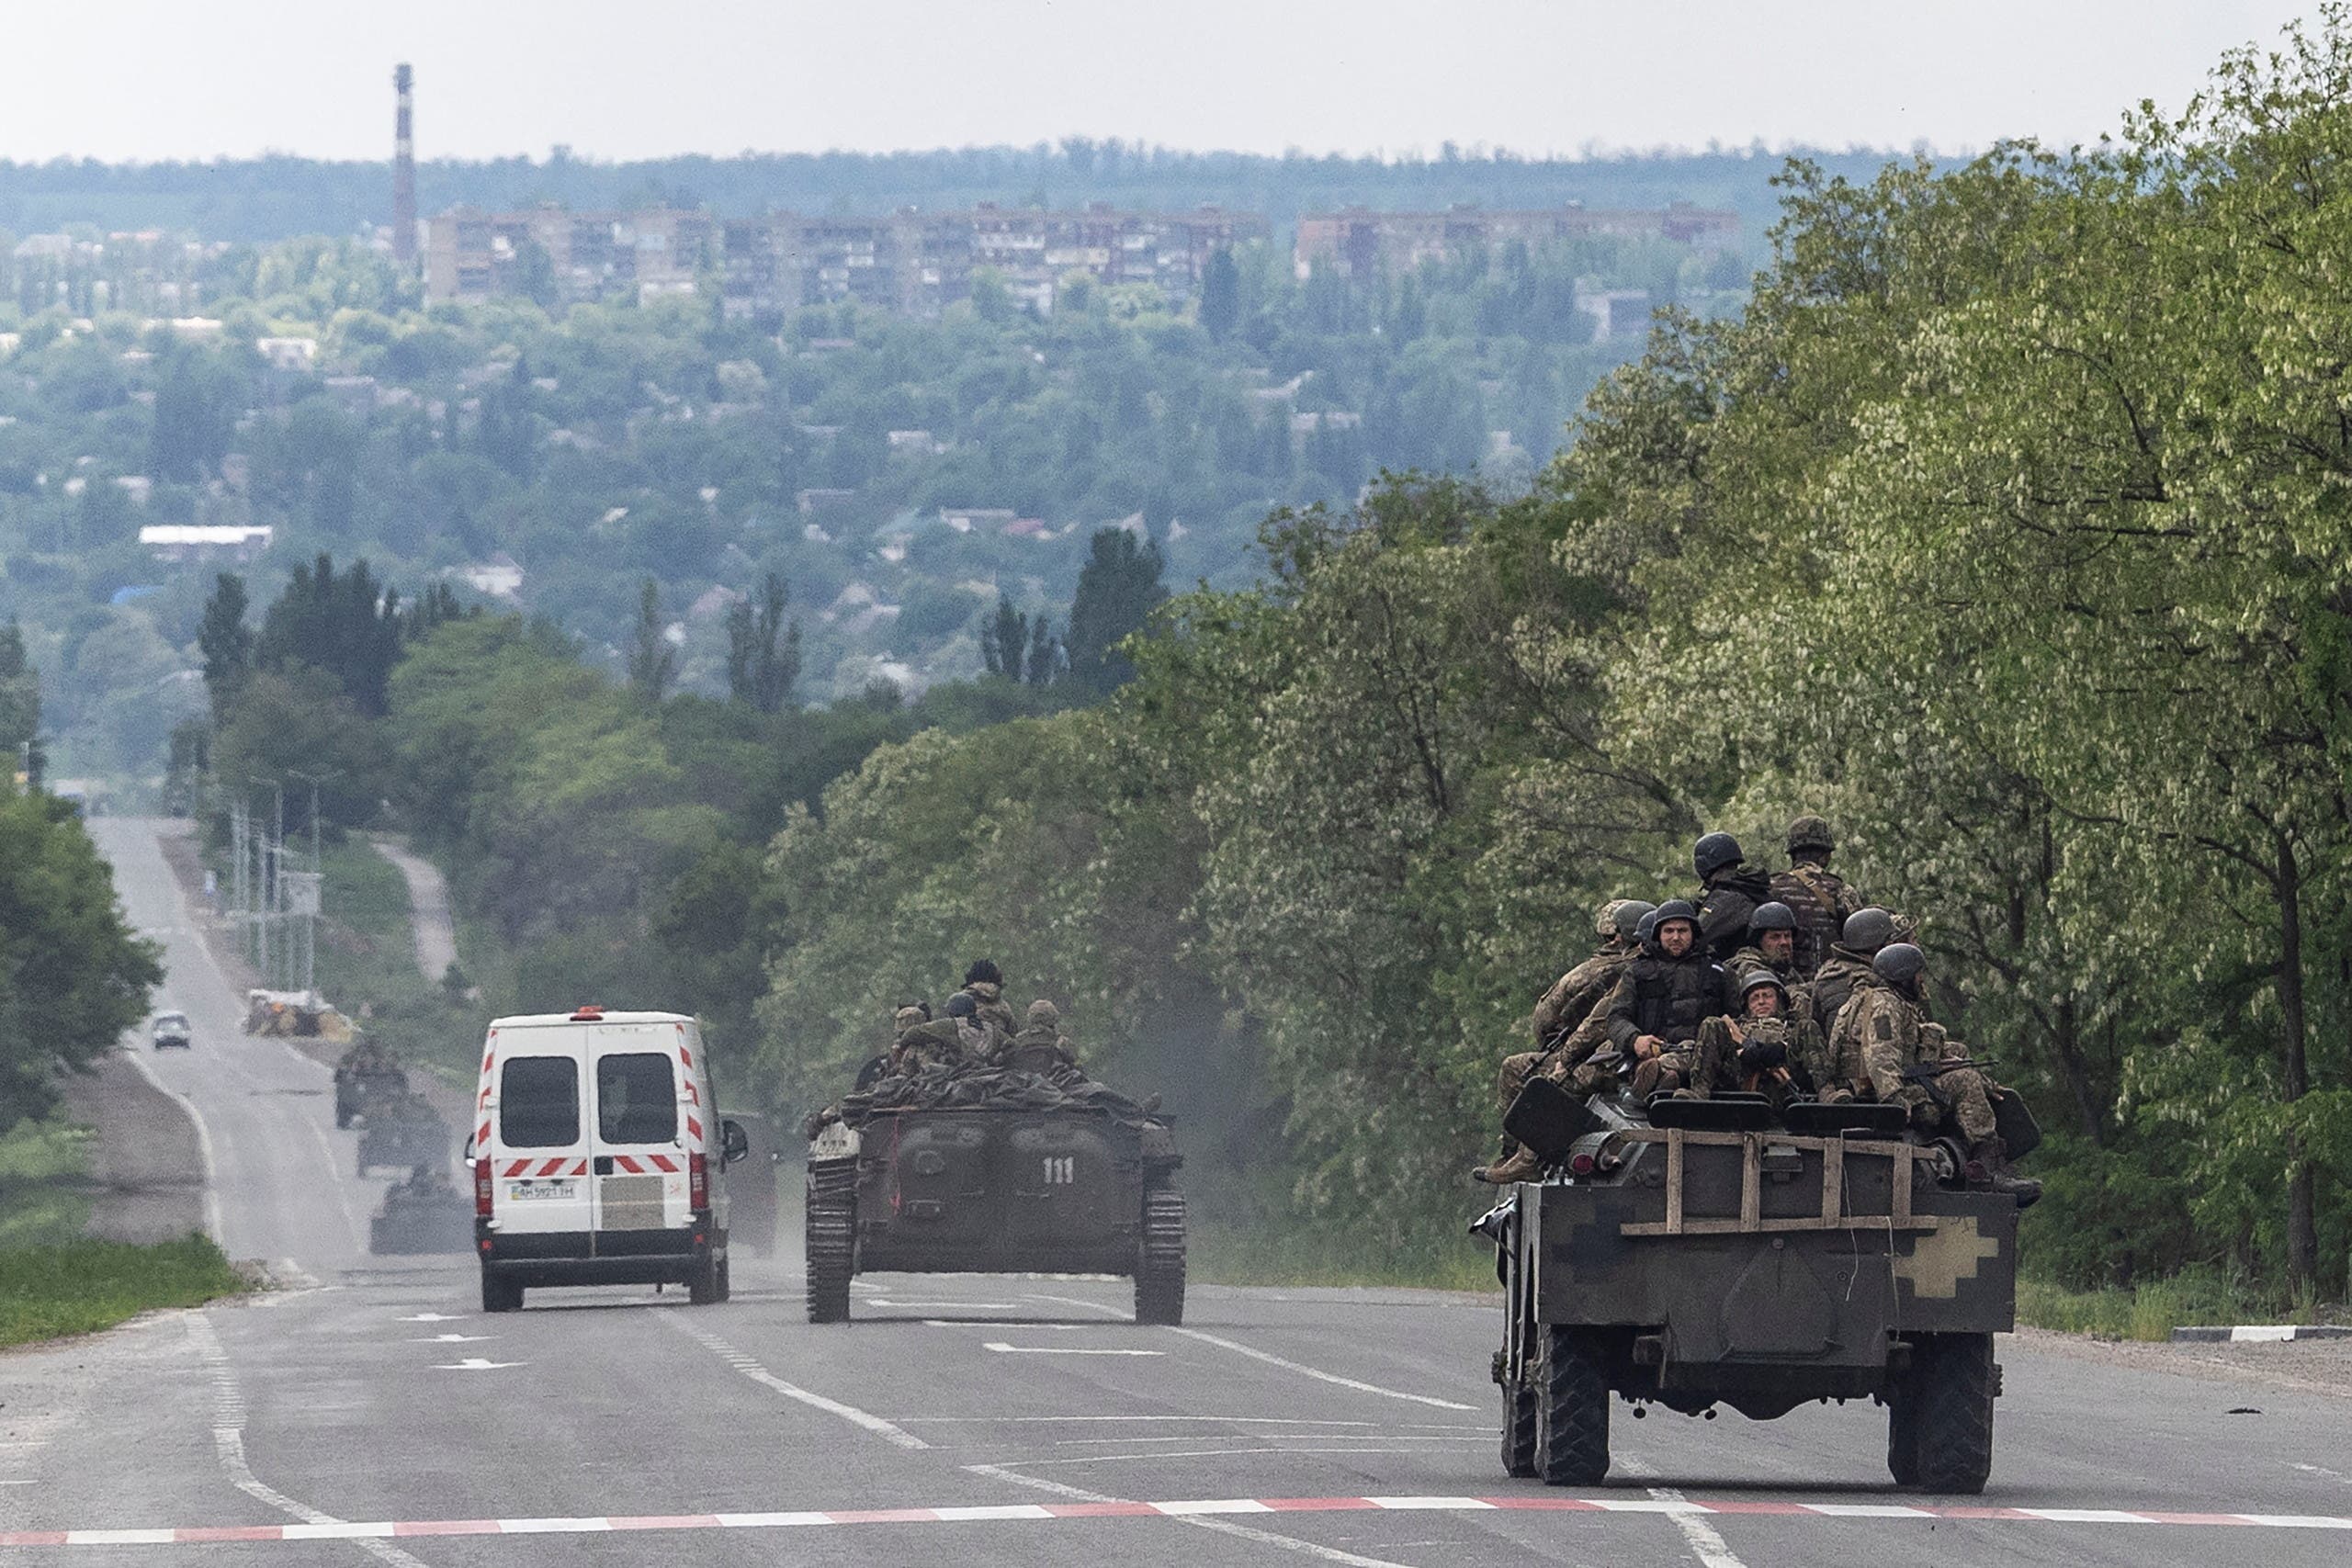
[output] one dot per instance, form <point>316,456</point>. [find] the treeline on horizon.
<point>279,196</point>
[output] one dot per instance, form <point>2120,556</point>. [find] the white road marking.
<point>203,1146</point>
<point>454,1339</point>
<point>1198,1521</point>
<point>1705,1541</point>
<point>1361,1387</point>
<point>889,1432</point>
<point>943,1306</point>
<point>1203,1454</point>
<point>477,1364</point>
<point>431,1317</point>
<point>1001,1349</point>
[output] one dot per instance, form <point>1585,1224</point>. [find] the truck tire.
<point>1902,1439</point>
<point>1160,1272</point>
<point>500,1295</point>
<point>832,1241</point>
<point>726,1286</point>
<point>1950,1400</point>
<point>1572,1416</point>
<point>702,1283</point>
<point>1520,1429</point>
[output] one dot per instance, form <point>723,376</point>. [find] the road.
<point>374,1413</point>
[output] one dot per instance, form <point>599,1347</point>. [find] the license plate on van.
<point>532,1191</point>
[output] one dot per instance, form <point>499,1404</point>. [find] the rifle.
<point>1925,1074</point>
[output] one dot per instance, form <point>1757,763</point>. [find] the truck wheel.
<point>1521,1434</point>
<point>702,1283</point>
<point>1948,1407</point>
<point>500,1295</point>
<point>1160,1272</point>
<point>1572,1417</point>
<point>726,1286</point>
<point>832,1243</point>
<point>341,1119</point>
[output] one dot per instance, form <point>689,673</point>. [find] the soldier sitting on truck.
<point>1559,1023</point>
<point>1041,1047</point>
<point>985,982</point>
<point>1766,1050</point>
<point>1911,1061</point>
<point>1866,931</point>
<point>1772,947</point>
<point>1655,1012</point>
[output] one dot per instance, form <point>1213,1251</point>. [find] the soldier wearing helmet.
<point>1865,932</point>
<point>1729,891</point>
<point>1767,1049</point>
<point>1771,947</point>
<point>1560,1017</point>
<point>1821,898</point>
<point>1665,995</point>
<point>1912,1062</point>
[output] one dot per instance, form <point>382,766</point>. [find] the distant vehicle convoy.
<point>599,1157</point>
<point>171,1032</point>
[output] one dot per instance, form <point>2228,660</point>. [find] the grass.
<point>83,1286</point>
<point>367,966</point>
<point>2154,1310</point>
<point>1228,1255</point>
<point>39,1160</point>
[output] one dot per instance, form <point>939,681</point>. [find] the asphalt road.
<point>620,1427</point>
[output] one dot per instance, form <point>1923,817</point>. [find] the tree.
<point>72,974</point>
<point>763,651</point>
<point>652,660</point>
<point>1220,295</point>
<point>299,719</point>
<point>19,697</point>
<point>225,641</point>
<point>1005,642</point>
<point>349,626</point>
<point>1045,652</point>
<point>194,418</point>
<point>1117,591</point>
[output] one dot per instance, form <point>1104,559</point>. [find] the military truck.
<point>364,1076</point>
<point>1715,1253</point>
<point>983,1189</point>
<point>403,1130</point>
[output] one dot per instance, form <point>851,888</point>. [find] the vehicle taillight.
<point>592,1013</point>
<point>482,1186</point>
<point>698,1181</point>
<point>1582,1164</point>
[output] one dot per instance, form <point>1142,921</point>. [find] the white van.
<point>591,1157</point>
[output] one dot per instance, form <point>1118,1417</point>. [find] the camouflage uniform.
<point>1667,998</point>
<point>1747,960</point>
<point>1822,899</point>
<point>1895,1033</point>
<point>939,1044</point>
<point>1041,1047</point>
<point>1716,1065</point>
<point>993,1007</point>
<point>1725,904</point>
<point>1846,970</point>
<point>1561,1020</point>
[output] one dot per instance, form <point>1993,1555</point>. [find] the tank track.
<point>831,1239</point>
<point>1160,1272</point>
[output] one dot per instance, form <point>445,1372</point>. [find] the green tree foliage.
<point>347,626</point>
<point>72,974</point>
<point>294,721</point>
<point>653,661</point>
<point>225,641</point>
<point>19,696</point>
<point>1117,591</point>
<point>1220,295</point>
<point>197,404</point>
<point>762,649</point>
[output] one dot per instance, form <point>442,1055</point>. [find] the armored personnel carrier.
<point>1713,1253</point>
<point>403,1130</point>
<point>993,1188</point>
<point>422,1214</point>
<point>365,1076</point>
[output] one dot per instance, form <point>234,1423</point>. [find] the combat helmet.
<point>963,1004</point>
<point>1713,852</point>
<point>1631,913</point>
<point>1899,964</point>
<point>1868,930</point>
<point>1772,916</point>
<point>1757,978</point>
<point>1042,1012</point>
<point>1645,928</point>
<point>984,972</point>
<point>1604,920</point>
<point>1674,909</point>
<point>1811,832</point>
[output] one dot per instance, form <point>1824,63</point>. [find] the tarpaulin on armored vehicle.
<point>1725,1261</point>
<point>996,1187</point>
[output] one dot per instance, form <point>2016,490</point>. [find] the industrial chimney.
<point>403,172</point>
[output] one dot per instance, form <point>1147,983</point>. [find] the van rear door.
<point>538,1131</point>
<point>637,1142</point>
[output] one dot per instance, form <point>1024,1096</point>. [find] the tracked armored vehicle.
<point>403,1130</point>
<point>995,1189</point>
<point>1710,1253</point>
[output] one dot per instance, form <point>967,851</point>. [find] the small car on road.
<point>171,1029</point>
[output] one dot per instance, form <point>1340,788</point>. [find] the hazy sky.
<point>634,78</point>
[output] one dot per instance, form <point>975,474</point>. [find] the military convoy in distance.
<point>994,1189</point>
<point>1705,1253</point>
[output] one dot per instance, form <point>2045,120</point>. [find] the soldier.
<point>1767,1050</point>
<point>1771,947</point>
<point>1729,891</point>
<point>1822,899</point>
<point>1665,994</point>
<point>1865,932</point>
<point>927,1042</point>
<point>1041,1047</point>
<point>986,982</point>
<point>1561,1017</point>
<point>1912,1064</point>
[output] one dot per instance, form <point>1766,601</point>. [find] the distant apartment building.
<point>910,261</point>
<point>1358,242</point>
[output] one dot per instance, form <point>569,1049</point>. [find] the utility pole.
<point>311,889</point>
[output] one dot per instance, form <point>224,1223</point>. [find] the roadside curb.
<point>2259,1333</point>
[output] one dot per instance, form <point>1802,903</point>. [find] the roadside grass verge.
<point>83,1286</point>
<point>2152,1311</point>
<point>38,1163</point>
<point>1227,1255</point>
<point>367,967</point>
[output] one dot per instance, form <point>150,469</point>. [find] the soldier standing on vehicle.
<point>1822,899</point>
<point>1766,1050</point>
<point>1912,1064</point>
<point>1655,1012</point>
<point>1561,1020</point>
<point>1729,891</point>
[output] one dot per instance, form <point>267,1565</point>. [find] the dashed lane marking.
<point>324,1528</point>
<point>1001,1349</point>
<point>887,1432</point>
